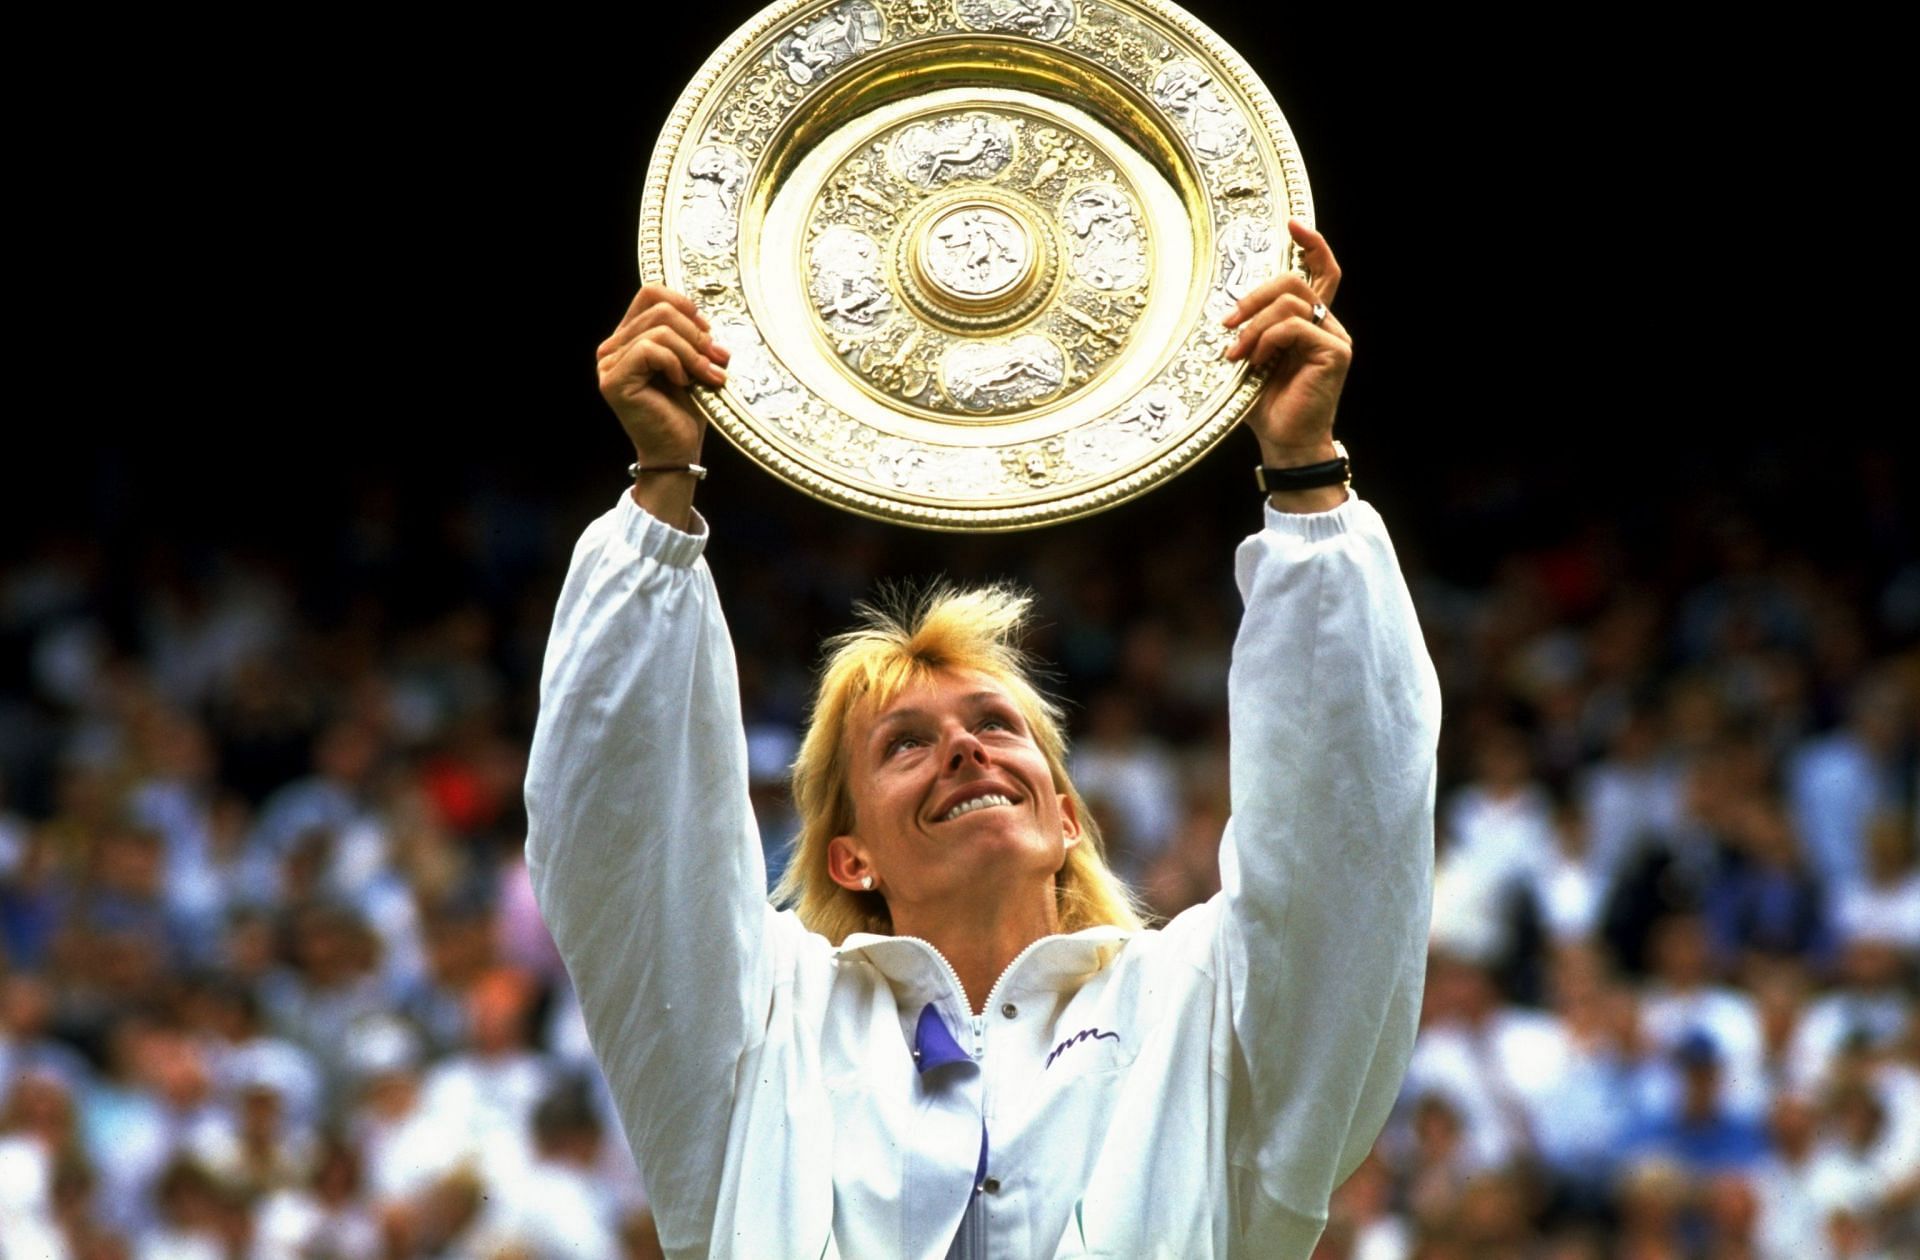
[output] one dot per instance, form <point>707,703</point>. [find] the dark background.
<point>1583,253</point>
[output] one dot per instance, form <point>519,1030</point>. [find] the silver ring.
<point>1319,313</point>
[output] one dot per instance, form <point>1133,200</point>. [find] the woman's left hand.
<point>1306,361</point>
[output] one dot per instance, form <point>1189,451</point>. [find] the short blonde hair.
<point>905,640</point>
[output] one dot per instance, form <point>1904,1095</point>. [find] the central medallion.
<point>976,255</point>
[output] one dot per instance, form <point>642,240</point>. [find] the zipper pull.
<point>979,1037</point>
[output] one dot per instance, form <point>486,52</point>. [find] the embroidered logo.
<point>1085,1034</point>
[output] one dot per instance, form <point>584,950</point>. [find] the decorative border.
<point>742,430</point>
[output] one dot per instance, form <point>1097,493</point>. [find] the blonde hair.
<point>905,640</point>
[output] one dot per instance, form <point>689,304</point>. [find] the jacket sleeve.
<point>643,849</point>
<point>1327,865</point>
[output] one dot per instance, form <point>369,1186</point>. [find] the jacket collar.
<point>919,974</point>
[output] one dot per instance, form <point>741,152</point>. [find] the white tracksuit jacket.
<point>1195,1091</point>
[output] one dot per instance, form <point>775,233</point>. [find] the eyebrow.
<point>904,717</point>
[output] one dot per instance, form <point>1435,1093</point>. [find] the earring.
<point>866,883</point>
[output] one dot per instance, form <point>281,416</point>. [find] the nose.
<point>965,746</point>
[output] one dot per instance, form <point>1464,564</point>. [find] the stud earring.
<point>866,883</point>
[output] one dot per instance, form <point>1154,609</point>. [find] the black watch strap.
<point>1337,471</point>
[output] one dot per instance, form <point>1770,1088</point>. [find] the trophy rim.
<point>1290,190</point>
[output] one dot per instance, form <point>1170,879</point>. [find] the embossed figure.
<point>845,280</point>
<point>1039,19</point>
<point>1107,250</point>
<point>1209,121</point>
<point>837,36</point>
<point>929,154</point>
<point>1149,419</point>
<point>709,213</point>
<point>920,17</point>
<point>990,377</point>
<point>1248,256</point>
<point>900,372</point>
<point>978,252</point>
<point>1057,152</point>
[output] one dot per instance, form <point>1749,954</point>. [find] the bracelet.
<point>697,471</point>
<point>1337,471</point>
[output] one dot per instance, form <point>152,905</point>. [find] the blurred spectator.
<point>1501,840</point>
<point>1698,1134</point>
<point>556,1207</point>
<point>1841,781</point>
<point>1130,779</point>
<point>1761,900</point>
<point>1583,1100</point>
<point>1885,905</point>
<point>1791,1224</point>
<point>1632,797</point>
<point>1684,1001</point>
<point>326,1215</point>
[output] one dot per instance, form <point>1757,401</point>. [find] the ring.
<point>1319,313</point>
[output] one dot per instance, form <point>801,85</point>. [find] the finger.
<point>1262,295</point>
<point>654,294</point>
<point>660,350</point>
<point>1317,257</point>
<point>639,363</point>
<point>663,315</point>
<point>697,366</point>
<point>1302,336</point>
<point>1286,306</point>
<point>677,362</point>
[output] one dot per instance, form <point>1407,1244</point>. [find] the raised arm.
<point>1327,866</point>
<point>641,841</point>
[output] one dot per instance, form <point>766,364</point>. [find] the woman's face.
<point>952,795</point>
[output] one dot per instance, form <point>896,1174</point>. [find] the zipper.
<point>978,1022</point>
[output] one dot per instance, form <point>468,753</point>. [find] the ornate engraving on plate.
<point>835,37</point>
<point>854,195</point>
<point>907,19</point>
<point>1206,118</point>
<point>1104,232</point>
<point>754,374</point>
<point>1037,19</point>
<point>1038,464</point>
<point>977,252</point>
<point>1152,416</point>
<point>971,146</point>
<point>847,281</point>
<point>710,206</point>
<point>1249,256</point>
<point>1057,154</point>
<point>1092,328</point>
<point>997,375</point>
<point>1123,43</point>
<point>1128,435</point>
<point>895,364</point>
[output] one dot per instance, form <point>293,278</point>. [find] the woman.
<point>960,1043</point>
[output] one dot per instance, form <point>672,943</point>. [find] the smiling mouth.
<point>978,802</point>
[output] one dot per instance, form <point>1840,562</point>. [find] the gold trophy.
<point>971,256</point>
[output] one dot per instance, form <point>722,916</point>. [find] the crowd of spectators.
<point>272,983</point>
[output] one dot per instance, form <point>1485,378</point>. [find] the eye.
<point>900,743</point>
<point>996,722</point>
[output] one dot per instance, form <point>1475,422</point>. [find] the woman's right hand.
<point>661,346</point>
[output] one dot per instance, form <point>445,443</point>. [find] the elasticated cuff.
<point>1314,526</point>
<point>657,540</point>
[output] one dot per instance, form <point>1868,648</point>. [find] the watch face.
<point>971,256</point>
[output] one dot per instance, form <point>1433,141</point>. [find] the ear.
<point>847,864</point>
<point>1069,820</point>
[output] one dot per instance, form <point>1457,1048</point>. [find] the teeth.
<point>978,802</point>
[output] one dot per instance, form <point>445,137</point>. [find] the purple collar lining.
<point>933,1043</point>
